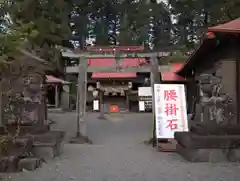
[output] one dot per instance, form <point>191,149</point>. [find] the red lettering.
<point>171,109</point>
<point>172,124</point>
<point>170,95</point>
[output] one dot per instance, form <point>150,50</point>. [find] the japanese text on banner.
<point>170,109</point>
<point>170,99</point>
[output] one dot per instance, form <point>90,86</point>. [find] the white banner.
<point>170,110</point>
<point>141,106</point>
<point>96,105</point>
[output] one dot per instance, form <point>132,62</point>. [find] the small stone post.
<point>155,79</point>
<point>56,96</point>
<point>81,97</point>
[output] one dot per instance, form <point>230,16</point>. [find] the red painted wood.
<point>172,76</point>
<point>107,62</point>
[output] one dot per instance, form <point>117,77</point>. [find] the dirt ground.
<point>118,154</point>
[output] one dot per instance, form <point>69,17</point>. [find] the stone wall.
<point>24,101</point>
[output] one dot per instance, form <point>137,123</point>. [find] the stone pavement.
<point>118,154</point>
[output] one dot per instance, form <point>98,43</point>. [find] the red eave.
<point>132,62</point>
<point>100,62</point>
<point>107,62</point>
<point>230,27</point>
<point>171,75</point>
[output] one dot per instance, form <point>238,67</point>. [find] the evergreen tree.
<point>37,25</point>
<point>194,16</point>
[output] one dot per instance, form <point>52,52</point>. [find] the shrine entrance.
<point>116,100</point>
<point>114,92</point>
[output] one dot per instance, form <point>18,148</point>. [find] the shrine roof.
<point>229,27</point>
<point>208,45</point>
<point>166,76</point>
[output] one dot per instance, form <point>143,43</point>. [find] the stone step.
<point>16,149</point>
<point>27,129</point>
<point>48,145</point>
<point>19,146</point>
<point>214,129</point>
<point>26,142</point>
<point>191,140</point>
<point>29,164</point>
<point>9,163</point>
<point>233,155</point>
<point>47,151</point>
<point>49,137</point>
<point>201,155</point>
<point>209,155</point>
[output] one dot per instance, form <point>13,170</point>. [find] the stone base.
<point>209,155</point>
<point>214,129</point>
<point>25,142</point>
<point>48,151</point>
<point>9,164</point>
<point>42,146</point>
<point>80,140</point>
<point>29,164</point>
<point>167,146</point>
<point>194,141</point>
<point>234,155</point>
<point>27,129</point>
<point>49,137</point>
<point>60,149</point>
<point>48,145</point>
<point>201,155</point>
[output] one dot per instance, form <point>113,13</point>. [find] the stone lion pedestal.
<point>214,134</point>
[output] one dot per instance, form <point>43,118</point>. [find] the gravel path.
<point>118,154</point>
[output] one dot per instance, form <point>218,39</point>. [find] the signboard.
<point>96,105</point>
<point>170,110</point>
<point>144,91</point>
<point>145,98</point>
<point>141,106</point>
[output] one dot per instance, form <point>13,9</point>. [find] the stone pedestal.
<point>27,152</point>
<point>201,155</point>
<point>206,144</point>
<point>29,164</point>
<point>27,129</point>
<point>48,145</point>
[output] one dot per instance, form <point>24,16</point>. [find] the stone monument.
<point>214,134</point>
